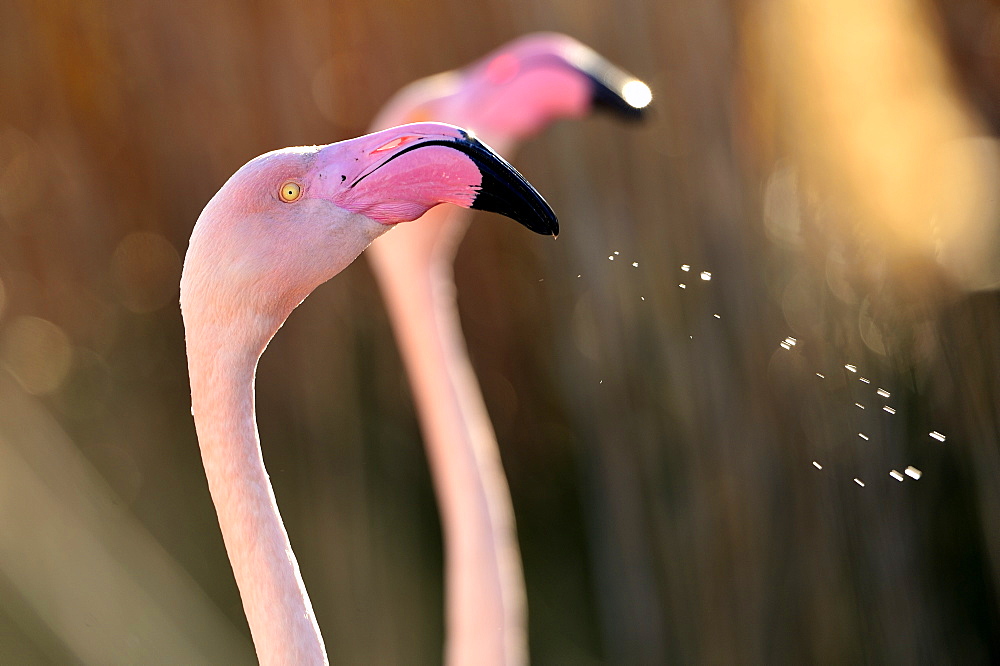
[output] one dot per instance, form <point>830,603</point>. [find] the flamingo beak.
<point>502,189</point>
<point>615,90</point>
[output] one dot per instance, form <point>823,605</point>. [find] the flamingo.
<point>283,224</point>
<point>507,96</point>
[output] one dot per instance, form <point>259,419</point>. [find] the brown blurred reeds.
<point>830,165</point>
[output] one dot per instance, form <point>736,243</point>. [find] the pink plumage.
<point>282,225</point>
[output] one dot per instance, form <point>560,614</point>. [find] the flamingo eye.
<point>290,191</point>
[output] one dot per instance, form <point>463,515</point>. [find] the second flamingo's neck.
<point>485,607</point>
<point>277,607</point>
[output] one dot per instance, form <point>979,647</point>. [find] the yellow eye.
<point>290,191</point>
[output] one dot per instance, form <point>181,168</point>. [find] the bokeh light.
<point>37,353</point>
<point>637,94</point>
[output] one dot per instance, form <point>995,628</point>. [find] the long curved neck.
<point>277,607</point>
<point>485,608</point>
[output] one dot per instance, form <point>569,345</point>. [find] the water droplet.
<point>579,275</point>
<point>913,472</point>
<point>938,436</point>
<point>889,409</point>
<point>705,275</point>
<point>866,381</point>
<point>863,436</point>
<point>616,253</point>
<point>685,267</point>
<point>817,465</point>
<point>820,376</point>
<point>896,475</point>
<point>858,404</point>
<point>882,392</point>
<point>682,285</point>
<point>859,482</point>
<point>611,257</point>
<point>635,264</point>
<point>642,298</point>
<point>852,368</point>
<point>784,345</point>
<point>717,316</point>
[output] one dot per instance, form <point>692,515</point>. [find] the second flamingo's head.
<point>523,86</point>
<point>289,220</point>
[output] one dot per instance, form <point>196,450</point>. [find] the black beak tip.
<point>505,191</point>
<point>619,93</point>
<point>532,212</point>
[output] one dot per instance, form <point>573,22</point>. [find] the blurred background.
<point>765,301</point>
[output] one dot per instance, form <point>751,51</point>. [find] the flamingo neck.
<point>485,606</point>
<point>277,606</point>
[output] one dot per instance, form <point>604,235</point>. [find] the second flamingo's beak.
<point>615,90</point>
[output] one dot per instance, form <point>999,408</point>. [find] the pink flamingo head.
<point>526,84</point>
<point>289,220</point>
